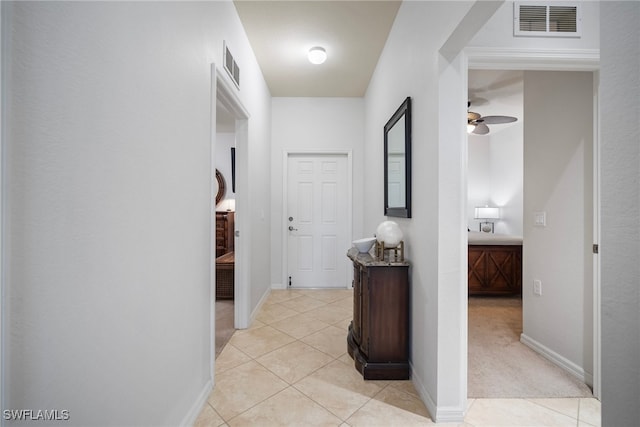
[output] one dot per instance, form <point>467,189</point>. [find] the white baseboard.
<point>278,286</point>
<point>196,408</point>
<point>256,310</point>
<point>438,414</point>
<point>558,360</point>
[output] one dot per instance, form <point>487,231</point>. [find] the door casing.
<point>514,59</point>
<point>222,91</point>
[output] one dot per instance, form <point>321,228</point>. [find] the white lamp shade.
<point>228,205</point>
<point>487,213</point>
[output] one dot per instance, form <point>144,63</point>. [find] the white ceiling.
<point>486,85</point>
<point>352,32</point>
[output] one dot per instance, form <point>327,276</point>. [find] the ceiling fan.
<point>477,125</point>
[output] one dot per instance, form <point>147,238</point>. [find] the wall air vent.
<point>547,19</point>
<point>231,66</point>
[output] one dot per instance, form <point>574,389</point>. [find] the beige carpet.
<point>500,366</point>
<point>224,323</point>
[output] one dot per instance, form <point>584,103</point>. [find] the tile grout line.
<point>583,403</point>
<point>289,385</point>
<point>577,417</point>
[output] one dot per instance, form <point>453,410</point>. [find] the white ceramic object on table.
<point>389,233</point>
<point>364,245</point>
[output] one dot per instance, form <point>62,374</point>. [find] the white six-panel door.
<point>317,220</point>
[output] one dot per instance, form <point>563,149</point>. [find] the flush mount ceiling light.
<point>317,55</point>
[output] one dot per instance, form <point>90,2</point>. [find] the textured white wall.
<point>314,124</point>
<point>495,174</point>
<point>478,177</point>
<point>558,179</point>
<point>495,166</point>
<point>507,164</point>
<point>409,66</point>
<point>620,226</point>
<point>108,152</point>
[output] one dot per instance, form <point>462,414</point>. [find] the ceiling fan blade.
<point>481,129</point>
<point>495,120</point>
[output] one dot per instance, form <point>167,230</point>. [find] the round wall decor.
<point>221,187</point>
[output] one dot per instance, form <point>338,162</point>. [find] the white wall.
<point>507,177</point>
<point>107,293</point>
<point>558,179</point>
<point>478,177</point>
<point>498,32</point>
<point>314,124</point>
<point>409,66</point>
<point>620,241</point>
<point>495,165</point>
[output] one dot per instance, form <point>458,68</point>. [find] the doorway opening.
<point>225,225</point>
<point>229,284</point>
<point>526,219</point>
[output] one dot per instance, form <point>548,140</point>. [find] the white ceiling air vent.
<point>231,66</point>
<point>547,19</point>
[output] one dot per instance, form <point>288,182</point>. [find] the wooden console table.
<point>378,339</point>
<point>225,265</point>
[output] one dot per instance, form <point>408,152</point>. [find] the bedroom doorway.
<point>225,226</point>
<point>229,130</point>
<point>555,173</point>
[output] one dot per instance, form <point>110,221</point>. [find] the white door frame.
<point>578,60</point>
<point>225,93</point>
<point>2,231</point>
<point>285,198</point>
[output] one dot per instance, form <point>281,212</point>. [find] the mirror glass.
<point>397,167</point>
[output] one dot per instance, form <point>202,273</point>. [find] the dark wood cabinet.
<point>224,232</point>
<point>378,338</point>
<point>495,269</point>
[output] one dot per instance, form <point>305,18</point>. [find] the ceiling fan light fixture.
<point>477,124</point>
<point>317,55</point>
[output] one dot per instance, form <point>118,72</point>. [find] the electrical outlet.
<point>537,287</point>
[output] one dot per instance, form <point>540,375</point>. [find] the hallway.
<point>291,368</point>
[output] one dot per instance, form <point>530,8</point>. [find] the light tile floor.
<point>291,368</point>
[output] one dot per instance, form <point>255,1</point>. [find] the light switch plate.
<point>540,219</point>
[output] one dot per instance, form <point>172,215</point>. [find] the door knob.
<point>292,229</point>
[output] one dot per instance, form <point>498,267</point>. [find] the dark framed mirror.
<point>397,162</point>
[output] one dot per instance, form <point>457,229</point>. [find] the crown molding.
<point>532,59</point>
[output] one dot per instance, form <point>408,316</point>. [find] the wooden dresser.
<point>378,339</point>
<point>495,270</point>
<point>224,232</point>
<point>225,283</point>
